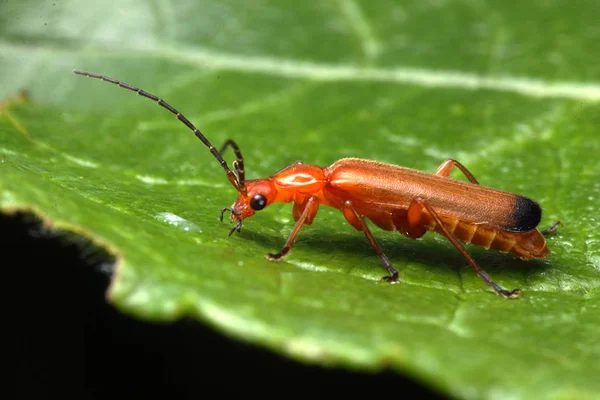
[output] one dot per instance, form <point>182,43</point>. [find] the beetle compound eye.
<point>258,202</point>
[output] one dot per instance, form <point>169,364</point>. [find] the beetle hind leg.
<point>446,167</point>
<point>551,229</point>
<point>416,208</point>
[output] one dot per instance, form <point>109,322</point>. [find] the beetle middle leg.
<point>310,209</point>
<point>357,221</point>
<point>417,205</point>
<point>446,168</point>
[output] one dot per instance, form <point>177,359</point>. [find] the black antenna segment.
<point>238,182</point>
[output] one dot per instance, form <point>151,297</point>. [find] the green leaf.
<point>508,89</point>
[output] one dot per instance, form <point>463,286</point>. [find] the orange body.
<point>383,193</point>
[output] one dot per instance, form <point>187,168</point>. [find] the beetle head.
<point>258,194</point>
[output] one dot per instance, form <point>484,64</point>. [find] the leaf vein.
<point>290,68</point>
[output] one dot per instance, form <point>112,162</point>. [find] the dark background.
<point>70,342</point>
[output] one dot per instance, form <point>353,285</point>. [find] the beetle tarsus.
<point>393,278</point>
<point>510,295</point>
<point>237,227</point>
<point>552,229</point>
<point>276,257</point>
<point>223,212</point>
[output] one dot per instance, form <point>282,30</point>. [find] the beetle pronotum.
<point>392,197</point>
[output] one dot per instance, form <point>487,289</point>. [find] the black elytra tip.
<point>526,215</point>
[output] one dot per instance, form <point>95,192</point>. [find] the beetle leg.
<point>357,221</point>
<point>298,210</point>
<point>552,229</point>
<point>419,204</point>
<point>446,168</point>
<point>310,209</point>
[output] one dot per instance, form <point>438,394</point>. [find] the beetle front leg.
<point>357,221</point>
<point>310,209</point>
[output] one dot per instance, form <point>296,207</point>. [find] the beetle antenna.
<point>238,164</point>
<point>235,181</point>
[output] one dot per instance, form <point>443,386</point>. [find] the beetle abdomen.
<point>526,245</point>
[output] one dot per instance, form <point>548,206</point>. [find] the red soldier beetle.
<point>394,198</point>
